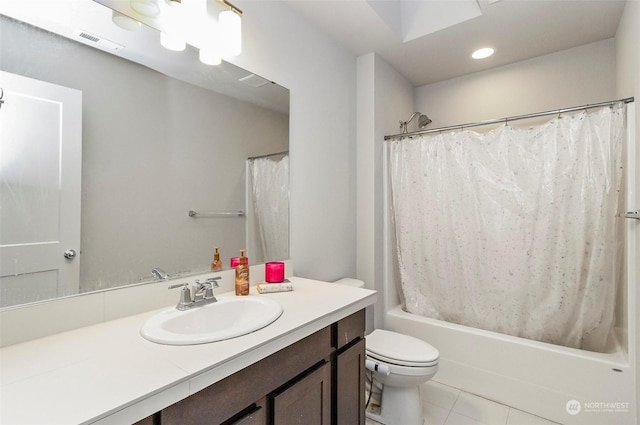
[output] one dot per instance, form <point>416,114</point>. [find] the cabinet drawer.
<point>349,329</point>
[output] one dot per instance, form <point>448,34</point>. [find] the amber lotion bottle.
<point>242,275</point>
<point>216,265</point>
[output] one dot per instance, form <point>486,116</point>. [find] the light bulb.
<point>125,22</point>
<point>485,52</point>
<point>210,56</point>
<point>145,7</point>
<point>171,42</point>
<point>230,32</point>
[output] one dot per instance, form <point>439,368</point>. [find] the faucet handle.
<point>212,281</point>
<point>185,295</point>
<point>207,287</point>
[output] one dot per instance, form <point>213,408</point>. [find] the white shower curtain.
<point>270,193</point>
<point>513,231</point>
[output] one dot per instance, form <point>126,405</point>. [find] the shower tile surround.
<point>445,405</point>
<point>104,368</point>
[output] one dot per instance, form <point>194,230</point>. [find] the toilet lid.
<point>400,349</point>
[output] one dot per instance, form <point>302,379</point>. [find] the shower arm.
<point>403,124</point>
<point>423,121</point>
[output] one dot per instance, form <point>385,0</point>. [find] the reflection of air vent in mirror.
<point>254,80</point>
<point>100,42</point>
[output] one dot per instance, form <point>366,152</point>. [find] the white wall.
<point>577,76</point>
<point>281,45</point>
<point>628,84</point>
<point>384,98</point>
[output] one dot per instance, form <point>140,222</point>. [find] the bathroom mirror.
<point>162,135</point>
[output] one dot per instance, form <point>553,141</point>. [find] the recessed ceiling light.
<point>485,52</point>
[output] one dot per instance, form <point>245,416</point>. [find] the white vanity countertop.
<point>109,374</point>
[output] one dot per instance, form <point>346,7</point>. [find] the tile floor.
<point>444,405</point>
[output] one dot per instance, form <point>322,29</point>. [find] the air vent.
<point>89,36</point>
<point>99,42</point>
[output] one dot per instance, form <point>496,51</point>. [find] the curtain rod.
<point>505,120</point>
<point>268,155</point>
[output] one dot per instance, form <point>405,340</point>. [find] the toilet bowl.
<point>400,363</point>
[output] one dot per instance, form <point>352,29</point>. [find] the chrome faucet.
<point>158,273</point>
<point>200,294</point>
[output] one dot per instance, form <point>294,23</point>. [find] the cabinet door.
<point>307,401</point>
<point>254,415</point>
<point>350,373</point>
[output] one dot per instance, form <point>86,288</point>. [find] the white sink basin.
<point>228,318</point>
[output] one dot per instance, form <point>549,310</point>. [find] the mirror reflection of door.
<point>40,153</point>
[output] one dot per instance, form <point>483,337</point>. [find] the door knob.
<point>70,254</point>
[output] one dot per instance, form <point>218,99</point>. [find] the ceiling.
<point>516,29</point>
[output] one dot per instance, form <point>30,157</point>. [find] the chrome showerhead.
<point>423,121</point>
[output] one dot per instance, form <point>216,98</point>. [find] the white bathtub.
<point>536,377</point>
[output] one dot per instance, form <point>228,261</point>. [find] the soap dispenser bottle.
<point>216,265</point>
<point>242,275</point>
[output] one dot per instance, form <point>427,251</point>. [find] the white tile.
<point>439,394</point>
<point>434,415</point>
<point>518,417</point>
<point>458,419</point>
<point>482,410</point>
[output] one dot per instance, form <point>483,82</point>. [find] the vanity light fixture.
<point>125,22</point>
<point>214,27</point>
<point>145,7</point>
<point>230,32</point>
<point>172,42</point>
<point>210,57</point>
<point>483,53</point>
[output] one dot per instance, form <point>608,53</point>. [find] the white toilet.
<point>400,363</point>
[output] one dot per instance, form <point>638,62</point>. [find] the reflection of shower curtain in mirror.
<point>513,231</point>
<point>270,192</point>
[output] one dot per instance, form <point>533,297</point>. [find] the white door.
<point>40,172</point>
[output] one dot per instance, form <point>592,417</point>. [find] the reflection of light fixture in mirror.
<point>210,56</point>
<point>231,32</point>
<point>214,26</point>
<point>145,7</point>
<point>125,22</point>
<point>172,42</point>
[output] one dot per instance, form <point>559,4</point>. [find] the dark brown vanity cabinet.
<point>318,380</point>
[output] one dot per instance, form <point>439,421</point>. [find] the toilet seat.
<point>398,349</point>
